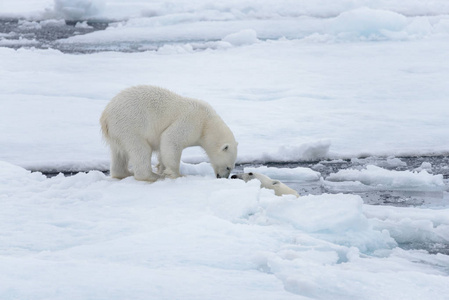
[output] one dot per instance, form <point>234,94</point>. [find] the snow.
<point>322,100</point>
<point>294,80</point>
<point>196,237</point>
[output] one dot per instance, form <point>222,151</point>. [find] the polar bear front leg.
<point>160,166</point>
<point>170,160</point>
<point>173,140</point>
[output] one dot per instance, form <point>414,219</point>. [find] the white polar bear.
<point>143,119</point>
<point>266,182</point>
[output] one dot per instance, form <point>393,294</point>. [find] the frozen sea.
<point>345,101</point>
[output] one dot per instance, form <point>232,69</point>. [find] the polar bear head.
<point>219,143</point>
<point>223,160</point>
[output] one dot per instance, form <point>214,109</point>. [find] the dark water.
<point>15,33</point>
<point>438,164</point>
<point>399,198</point>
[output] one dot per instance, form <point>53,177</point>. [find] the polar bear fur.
<point>144,119</point>
<point>266,182</point>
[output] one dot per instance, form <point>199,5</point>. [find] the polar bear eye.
<point>250,174</point>
<point>275,182</point>
<point>228,168</point>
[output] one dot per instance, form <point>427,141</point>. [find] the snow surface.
<point>355,80</point>
<point>92,237</point>
<point>322,100</point>
<point>294,80</point>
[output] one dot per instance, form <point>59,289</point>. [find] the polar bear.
<point>143,119</point>
<point>266,182</point>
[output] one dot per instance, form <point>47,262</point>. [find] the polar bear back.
<point>151,110</point>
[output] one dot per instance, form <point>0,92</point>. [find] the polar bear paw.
<point>171,174</point>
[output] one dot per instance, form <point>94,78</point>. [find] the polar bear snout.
<point>223,172</point>
<point>223,161</point>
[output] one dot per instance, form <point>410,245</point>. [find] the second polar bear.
<point>143,119</point>
<point>266,182</point>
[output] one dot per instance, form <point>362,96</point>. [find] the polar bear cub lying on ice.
<point>143,119</point>
<point>266,182</point>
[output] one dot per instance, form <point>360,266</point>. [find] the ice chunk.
<point>21,41</point>
<point>395,162</point>
<point>52,23</point>
<point>78,10</point>
<point>367,23</point>
<point>82,25</point>
<point>411,225</point>
<point>243,37</point>
<point>425,166</point>
<point>27,25</point>
<point>175,49</point>
<point>335,218</point>
<point>377,177</point>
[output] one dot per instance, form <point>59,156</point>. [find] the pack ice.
<point>196,237</point>
<point>295,81</point>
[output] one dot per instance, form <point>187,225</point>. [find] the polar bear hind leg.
<point>119,162</point>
